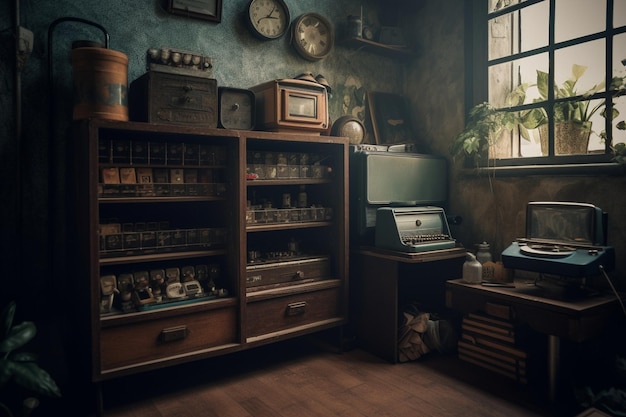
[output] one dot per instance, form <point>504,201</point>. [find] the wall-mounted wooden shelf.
<point>391,51</point>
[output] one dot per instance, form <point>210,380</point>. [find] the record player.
<point>564,239</point>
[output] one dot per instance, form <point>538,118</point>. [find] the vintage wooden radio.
<point>289,105</point>
<point>159,97</point>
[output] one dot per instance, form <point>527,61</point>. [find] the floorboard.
<point>299,379</point>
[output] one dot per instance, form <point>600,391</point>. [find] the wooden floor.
<point>299,379</point>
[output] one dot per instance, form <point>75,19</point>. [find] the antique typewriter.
<point>412,229</point>
<point>563,239</point>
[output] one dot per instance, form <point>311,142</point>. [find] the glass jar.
<point>483,254</point>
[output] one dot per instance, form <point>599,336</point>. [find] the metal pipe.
<point>52,125</point>
<point>18,136</point>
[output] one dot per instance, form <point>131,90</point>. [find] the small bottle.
<point>302,197</point>
<point>472,270</point>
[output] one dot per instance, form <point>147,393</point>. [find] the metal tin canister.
<point>100,83</point>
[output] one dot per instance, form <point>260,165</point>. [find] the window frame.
<point>477,66</point>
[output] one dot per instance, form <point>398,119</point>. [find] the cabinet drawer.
<point>302,270</point>
<point>158,339</point>
<point>282,313</point>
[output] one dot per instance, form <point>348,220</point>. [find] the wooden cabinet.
<point>193,242</point>
<point>295,234</point>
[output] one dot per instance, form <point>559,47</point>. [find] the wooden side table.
<point>576,320</point>
<point>383,281</point>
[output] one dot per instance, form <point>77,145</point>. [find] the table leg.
<point>553,365</point>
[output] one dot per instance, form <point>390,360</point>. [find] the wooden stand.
<point>384,281</point>
<point>576,320</point>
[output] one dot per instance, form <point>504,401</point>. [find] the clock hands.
<point>269,15</point>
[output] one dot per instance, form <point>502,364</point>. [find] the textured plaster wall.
<point>33,208</point>
<point>492,212</point>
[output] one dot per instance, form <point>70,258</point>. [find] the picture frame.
<point>210,10</point>
<point>389,115</point>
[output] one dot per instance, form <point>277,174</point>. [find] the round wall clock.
<point>350,127</point>
<point>268,19</point>
<point>313,36</point>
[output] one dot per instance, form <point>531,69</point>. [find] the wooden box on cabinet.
<point>159,97</point>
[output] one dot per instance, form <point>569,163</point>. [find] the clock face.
<point>313,36</point>
<point>236,108</point>
<point>268,19</point>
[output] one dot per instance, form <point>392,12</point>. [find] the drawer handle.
<point>293,309</point>
<point>172,334</point>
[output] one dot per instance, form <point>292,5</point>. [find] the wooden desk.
<point>577,320</point>
<point>382,282</point>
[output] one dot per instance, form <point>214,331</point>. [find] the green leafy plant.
<point>567,111</point>
<point>20,367</point>
<point>486,123</point>
<point>483,129</point>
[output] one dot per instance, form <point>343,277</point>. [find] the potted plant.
<point>572,118</point>
<point>20,367</point>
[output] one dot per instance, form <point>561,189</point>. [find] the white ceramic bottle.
<point>472,270</point>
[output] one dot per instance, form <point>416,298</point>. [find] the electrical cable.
<point>613,288</point>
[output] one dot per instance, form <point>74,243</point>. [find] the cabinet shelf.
<point>139,316</point>
<point>286,226</point>
<point>163,256</point>
<point>284,182</point>
<point>391,51</point>
<point>180,199</point>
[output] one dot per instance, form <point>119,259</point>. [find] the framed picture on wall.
<point>389,114</point>
<point>199,9</point>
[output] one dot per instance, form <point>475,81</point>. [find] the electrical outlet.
<point>24,46</point>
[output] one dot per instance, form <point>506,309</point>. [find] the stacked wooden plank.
<point>492,343</point>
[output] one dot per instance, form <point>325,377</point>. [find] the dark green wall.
<point>33,202</point>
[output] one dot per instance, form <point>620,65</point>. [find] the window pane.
<point>619,13</point>
<point>597,125</point>
<point>619,135</point>
<point>534,26</point>
<point>576,18</point>
<point>519,31</point>
<point>590,55</point>
<point>532,145</point>
<point>619,54</point>
<point>502,36</point>
<point>506,77</point>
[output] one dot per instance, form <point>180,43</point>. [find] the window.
<point>551,64</point>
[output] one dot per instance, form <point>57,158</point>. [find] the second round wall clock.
<point>313,36</point>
